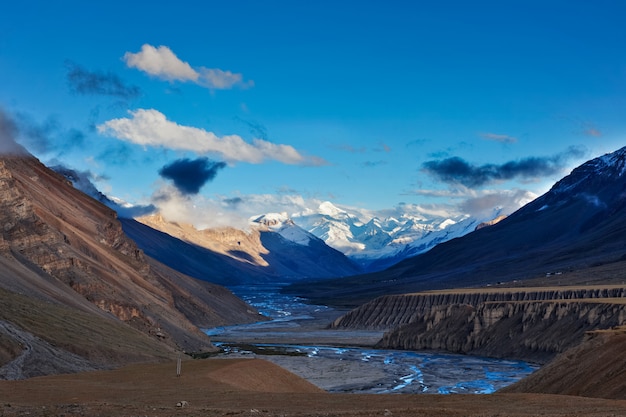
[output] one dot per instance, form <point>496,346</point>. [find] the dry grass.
<point>9,349</point>
<point>108,342</point>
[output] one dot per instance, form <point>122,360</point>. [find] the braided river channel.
<point>297,339</point>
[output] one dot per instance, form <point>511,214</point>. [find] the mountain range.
<point>569,228</point>
<point>371,243</point>
<point>578,225</point>
<point>376,243</point>
<point>330,242</point>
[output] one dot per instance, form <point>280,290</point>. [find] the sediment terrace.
<point>530,323</point>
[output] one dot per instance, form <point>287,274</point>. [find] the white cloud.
<point>508,200</point>
<point>479,203</point>
<point>222,211</point>
<point>218,79</point>
<point>175,207</point>
<point>149,127</point>
<point>237,210</point>
<point>162,63</point>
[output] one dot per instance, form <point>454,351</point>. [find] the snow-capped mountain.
<point>376,243</point>
<point>281,223</point>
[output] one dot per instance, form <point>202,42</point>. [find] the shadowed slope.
<point>595,368</point>
<point>579,223</point>
<point>233,257</point>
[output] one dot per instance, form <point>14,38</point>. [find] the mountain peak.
<point>329,209</point>
<point>610,166</point>
<point>282,224</point>
<point>273,220</point>
<point>615,161</point>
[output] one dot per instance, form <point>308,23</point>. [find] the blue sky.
<point>216,111</point>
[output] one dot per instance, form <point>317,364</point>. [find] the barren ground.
<point>254,387</point>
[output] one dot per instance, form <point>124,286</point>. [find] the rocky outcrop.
<point>491,222</point>
<point>533,324</point>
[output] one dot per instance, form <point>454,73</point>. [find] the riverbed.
<point>297,339</point>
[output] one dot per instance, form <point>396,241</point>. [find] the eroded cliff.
<point>531,324</point>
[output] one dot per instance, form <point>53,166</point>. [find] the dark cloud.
<point>256,129</point>
<point>8,134</point>
<point>82,81</point>
<point>38,137</point>
<point>190,175</point>
<point>82,180</point>
<point>235,201</point>
<point>439,154</point>
<point>47,136</point>
<point>456,170</point>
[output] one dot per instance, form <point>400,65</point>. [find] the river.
<point>345,361</point>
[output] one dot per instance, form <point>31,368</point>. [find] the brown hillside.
<point>595,368</point>
<point>44,338</point>
<point>60,248</point>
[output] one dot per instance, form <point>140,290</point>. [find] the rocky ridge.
<point>530,324</point>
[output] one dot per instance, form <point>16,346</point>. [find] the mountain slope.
<point>594,368</point>
<point>295,253</point>
<point>579,223</point>
<point>59,246</point>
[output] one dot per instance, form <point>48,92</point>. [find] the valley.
<point>347,360</point>
<point>509,308</point>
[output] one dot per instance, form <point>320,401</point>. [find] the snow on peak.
<point>283,225</point>
<point>273,220</point>
<point>610,165</point>
<point>615,160</point>
<point>446,223</point>
<point>329,209</point>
